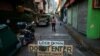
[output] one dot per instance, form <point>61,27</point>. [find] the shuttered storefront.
<point>69,16</point>
<point>74,17</point>
<point>82,16</point>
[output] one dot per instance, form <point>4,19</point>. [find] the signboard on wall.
<point>53,43</point>
<point>50,48</point>
<point>96,3</point>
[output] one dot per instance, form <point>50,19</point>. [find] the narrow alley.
<point>49,27</point>
<point>46,33</point>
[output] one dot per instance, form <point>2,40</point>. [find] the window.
<point>96,3</point>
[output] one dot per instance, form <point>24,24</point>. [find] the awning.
<point>28,9</point>
<point>69,2</point>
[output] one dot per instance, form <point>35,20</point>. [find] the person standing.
<point>53,22</point>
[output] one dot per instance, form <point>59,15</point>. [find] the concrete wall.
<point>93,22</point>
<point>40,6</point>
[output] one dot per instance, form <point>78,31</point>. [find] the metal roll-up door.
<point>69,16</point>
<point>74,17</point>
<point>82,15</point>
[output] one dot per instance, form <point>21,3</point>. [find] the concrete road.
<point>46,33</point>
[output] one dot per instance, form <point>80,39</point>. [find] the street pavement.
<point>46,33</point>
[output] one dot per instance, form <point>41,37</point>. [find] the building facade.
<point>93,24</point>
<point>63,11</point>
<point>83,17</point>
<point>41,5</point>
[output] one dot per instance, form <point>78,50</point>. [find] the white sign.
<point>57,43</point>
<point>44,43</point>
<point>50,43</point>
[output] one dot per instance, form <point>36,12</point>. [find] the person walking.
<point>53,22</point>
